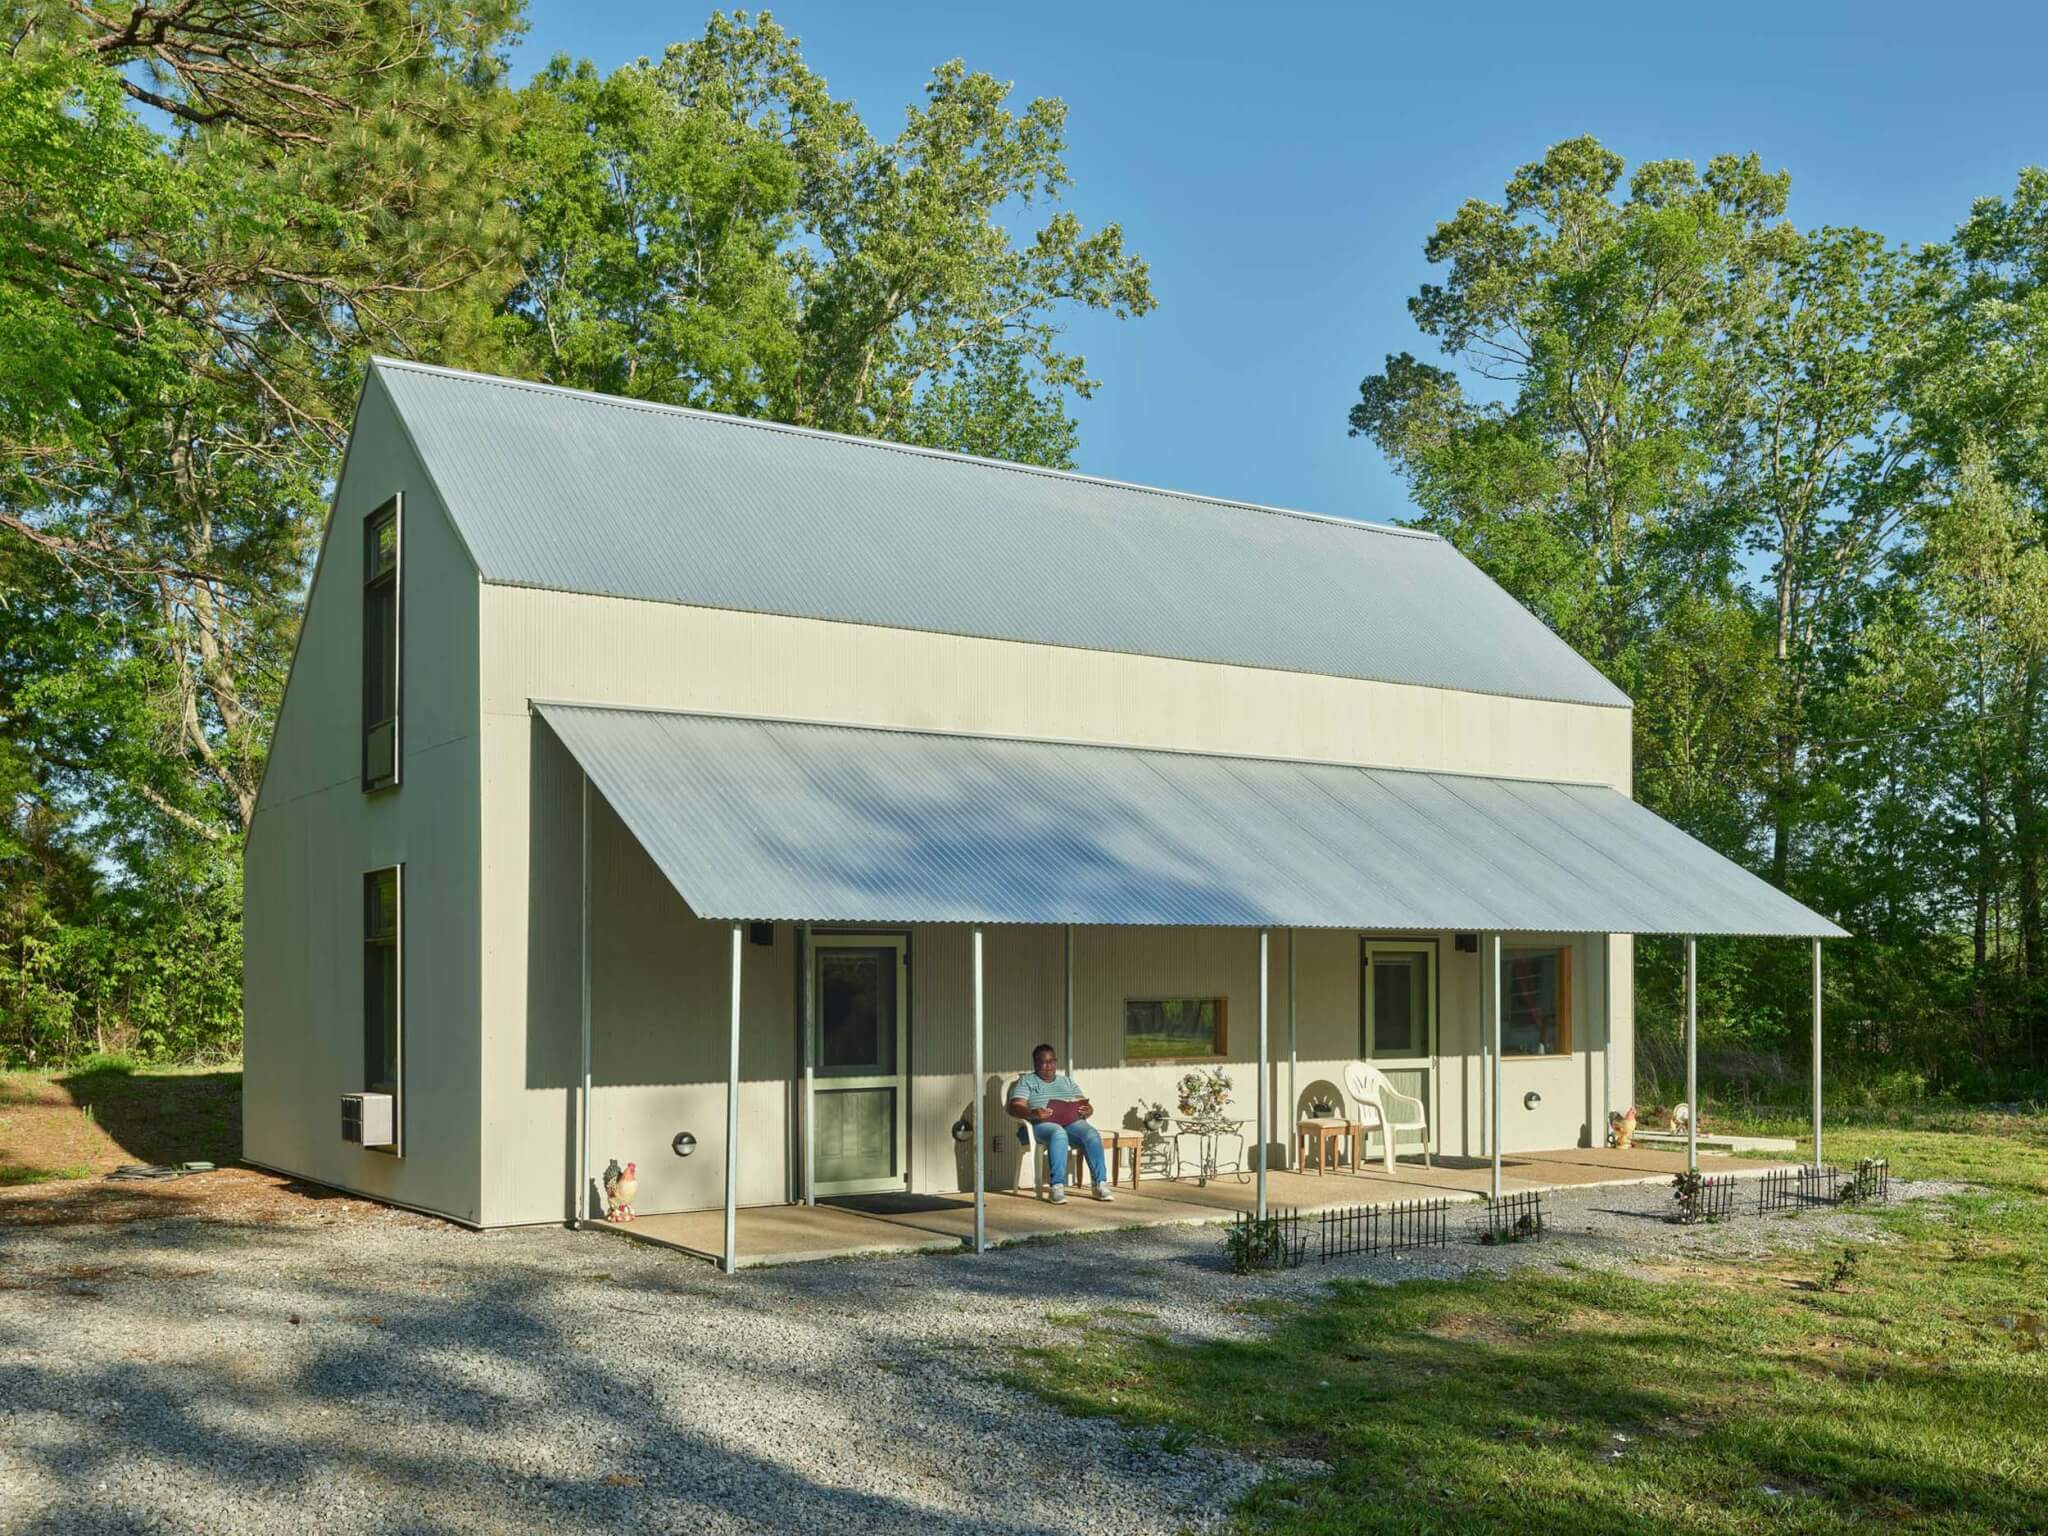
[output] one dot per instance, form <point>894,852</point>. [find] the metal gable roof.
<point>772,819</point>
<point>580,492</point>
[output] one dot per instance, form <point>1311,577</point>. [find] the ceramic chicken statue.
<point>620,1186</point>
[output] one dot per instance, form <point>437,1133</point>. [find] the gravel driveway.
<point>348,1368</point>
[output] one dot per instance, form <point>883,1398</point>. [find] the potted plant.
<point>1621,1126</point>
<point>1154,1118</point>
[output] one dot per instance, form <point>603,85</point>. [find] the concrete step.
<point>1712,1141</point>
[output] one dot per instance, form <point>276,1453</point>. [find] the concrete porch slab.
<point>869,1225</point>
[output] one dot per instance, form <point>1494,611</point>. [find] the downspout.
<point>583,1129</point>
<point>1498,981</point>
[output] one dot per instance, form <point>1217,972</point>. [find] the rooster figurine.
<point>620,1186</point>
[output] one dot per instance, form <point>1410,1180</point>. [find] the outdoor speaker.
<point>1466,943</point>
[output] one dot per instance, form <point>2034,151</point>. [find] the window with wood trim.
<point>383,980</point>
<point>1536,1002</point>
<point>1176,1028</point>
<point>381,531</point>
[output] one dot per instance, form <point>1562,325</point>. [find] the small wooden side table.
<point>1114,1145</point>
<point>1326,1133</point>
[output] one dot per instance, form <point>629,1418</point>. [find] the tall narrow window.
<point>383,985</point>
<point>1536,1002</point>
<point>380,646</point>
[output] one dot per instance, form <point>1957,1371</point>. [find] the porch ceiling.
<point>772,819</point>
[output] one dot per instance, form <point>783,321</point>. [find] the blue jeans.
<point>1057,1139</point>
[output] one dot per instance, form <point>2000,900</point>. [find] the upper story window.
<point>1536,1002</point>
<point>380,645</point>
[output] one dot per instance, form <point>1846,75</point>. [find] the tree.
<point>1979,394</point>
<point>714,229</point>
<point>209,214</point>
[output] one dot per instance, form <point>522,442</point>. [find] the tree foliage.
<point>1785,487</point>
<point>212,213</point>
<point>715,229</point>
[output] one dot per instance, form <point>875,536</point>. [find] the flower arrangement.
<point>1204,1093</point>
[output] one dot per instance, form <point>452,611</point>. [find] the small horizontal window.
<point>1174,1028</point>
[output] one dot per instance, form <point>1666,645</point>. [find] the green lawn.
<point>1717,1398</point>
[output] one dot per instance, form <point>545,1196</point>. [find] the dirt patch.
<point>1473,1327</point>
<point>237,1195</point>
<point>76,1124</point>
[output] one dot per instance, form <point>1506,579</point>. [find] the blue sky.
<point>1281,166</point>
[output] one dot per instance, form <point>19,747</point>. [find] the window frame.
<point>1221,1038</point>
<point>376,945</point>
<point>376,582</point>
<point>1563,954</point>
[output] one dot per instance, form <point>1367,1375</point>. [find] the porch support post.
<point>1493,1033</point>
<point>809,1117</point>
<point>1265,1074</point>
<point>731,1262</point>
<point>1293,1093</point>
<point>1068,1046</point>
<point>1816,1053</point>
<point>981,1132</point>
<point>1692,1054</point>
<point>583,1109</point>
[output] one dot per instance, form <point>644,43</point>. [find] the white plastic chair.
<point>1371,1096</point>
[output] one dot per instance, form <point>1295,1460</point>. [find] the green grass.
<point>1707,1398</point>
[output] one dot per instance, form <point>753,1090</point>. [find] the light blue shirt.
<point>1036,1092</point>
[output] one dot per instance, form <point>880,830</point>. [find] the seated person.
<point>1054,1110</point>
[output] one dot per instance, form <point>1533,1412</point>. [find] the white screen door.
<point>1400,1017</point>
<point>860,1007</point>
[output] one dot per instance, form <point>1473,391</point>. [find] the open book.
<point>1062,1111</point>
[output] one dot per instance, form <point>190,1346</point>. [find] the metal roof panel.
<point>580,492</point>
<point>777,819</point>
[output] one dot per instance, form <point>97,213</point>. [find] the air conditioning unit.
<point>369,1119</point>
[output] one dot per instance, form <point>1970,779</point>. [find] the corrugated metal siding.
<point>779,819</point>
<point>578,492</point>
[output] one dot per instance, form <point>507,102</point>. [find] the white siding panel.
<point>316,833</point>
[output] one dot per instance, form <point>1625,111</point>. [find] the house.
<point>746,802</point>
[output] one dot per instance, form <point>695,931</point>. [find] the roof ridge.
<point>946,455</point>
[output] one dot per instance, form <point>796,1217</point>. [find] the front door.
<point>1400,1017</point>
<point>859,1010</point>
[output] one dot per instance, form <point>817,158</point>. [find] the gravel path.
<point>348,1368</point>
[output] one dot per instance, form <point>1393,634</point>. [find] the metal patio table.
<point>1209,1132</point>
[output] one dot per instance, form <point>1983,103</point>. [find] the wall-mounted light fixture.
<point>963,1129</point>
<point>1531,1099</point>
<point>684,1144</point>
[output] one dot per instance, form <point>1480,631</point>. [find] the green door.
<point>859,1004</point>
<point>1400,1018</point>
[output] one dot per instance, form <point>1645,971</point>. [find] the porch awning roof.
<point>773,819</point>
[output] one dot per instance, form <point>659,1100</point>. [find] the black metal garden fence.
<point>1703,1197</point>
<point>1511,1219</point>
<point>1279,1241</point>
<point>1782,1189</point>
<point>1404,1224</point>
